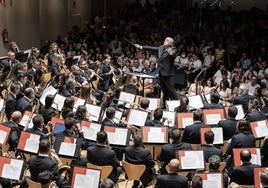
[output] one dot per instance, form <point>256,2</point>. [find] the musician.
<point>78,76</point>
<point>45,178</point>
<point>214,98</point>
<point>35,53</point>
<point>9,63</point>
<point>106,73</point>
<point>137,154</point>
<point>43,162</point>
<point>34,74</point>
<point>183,107</point>
<point>87,94</point>
<point>47,110</point>
<point>57,65</point>
<point>67,109</point>
<point>11,101</point>
<point>108,120</point>
<point>86,73</point>
<point>24,84</point>
<point>243,97</point>
<point>13,47</point>
<point>25,103</point>
<point>156,122</point>
<point>70,89</point>
<point>100,154</point>
<point>14,136</point>
<point>166,55</point>
<point>81,114</point>
<point>254,111</point>
<point>195,88</point>
<point>54,49</point>
<point>38,127</point>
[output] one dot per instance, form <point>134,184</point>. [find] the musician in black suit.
<point>70,89</point>
<point>166,68</point>
<point>192,132</point>
<point>214,165</point>
<point>229,124</point>
<point>209,149</point>
<point>88,74</point>
<point>106,73</point>
<point>43,162</point>
<point>244,174</point>
<point>137,154</point>
<point>47,110</point>
<point>156,122</point>
<point>15,131</point>
<point>108,120</point>
<point>168,151</point>
<point>243,97</point>
<point>264,178</point>
<point>11,101</point>
<point>172,180</point>
<point>34,74</point>
<point>9,63</point>
<point>38,127</point>
<point>264,152</point>
<point>25,103</point>
<point>254,113</point>
<point>101,155</point>
<point>215,98</point>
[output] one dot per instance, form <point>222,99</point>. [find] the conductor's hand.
<point>138,46</point>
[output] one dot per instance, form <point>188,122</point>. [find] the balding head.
<point>264,177</point>
<point>16,117</point>
<point>245,155</point>
<point>174,165</point>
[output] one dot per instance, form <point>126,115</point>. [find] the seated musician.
<point>108,120</point>
<point>183,107</point>
<point>76,72</point>
<point>81,114</point>
<point>9,63</point>
<point>43,162</point>
<point>34,56</point>
<point>214,97</point>
<point>47,110</point>
<point>45,178</point>
<point>70,89</point>
<point>25,103</point>
<point>38,127</point>
<point>11,101</point>
<point>156,122</point>
<point>87,94</point>
<point>34,74</point>
<point>23,82</point>
<point>67,109</point>
<point>85,72</point>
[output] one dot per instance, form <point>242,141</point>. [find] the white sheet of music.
<point>12,170</point>
<point>119,137</point>
<point>213,181</point>
<point>261,129</point>
<point>207,96</point>
<point>187,121</point>
<point>117,117</point>
<point>32,143</point>
<point>137,117</point>
<point>85,180</point>
<point>91,132</point>
<point>78,103</point>
<point>67,149</point>
<point>24,120</point>
<point>155,135</point>
<point>47,91</point>
<point>192,160</point>
<point>172,104</point>
<point>195,102</point>
<point>126,97</point>
<point>94,112</point>
<point>31,122</point>
<point>256,158</point>
<point>218,138</point>
<point>1,104</point>
<point>58,102</point>
<point>170,117</point>
<point>240,112</point>
<point>3,135</point>
<point>154,103</point>
<point>213,118</point>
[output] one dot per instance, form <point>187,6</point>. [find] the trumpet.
<point>61,167</point>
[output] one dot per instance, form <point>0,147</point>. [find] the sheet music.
<point>137,117</point>
<point>256,158</point>
<point>187,121</point>
<point>78,103</point>
<point>195,102</point>
<point>47,91</point>
<point>218,135</point>
<point>32,143</point>
<point>155,135</point>
<point>67,149</point>
<point>58,102</point>
<point>3,135</point>
<point>240,112</point>
<point>117,117</point>
<point>94,112</point>
<point>12,170</point>
<point>126,97</point>
<point>172,104</point>
<point>261,129</point>
<point>154,103</point>
<point>1,104</point>
<point>119,137</point>
<point>170,117</point>
<point>207,96</point>
<point>25,119</point>
<point>90,133</point>
<point>192,160</point>
<point>213,118</point>
<point>213,181</point>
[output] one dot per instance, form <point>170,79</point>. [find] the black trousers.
<point>167,85</point>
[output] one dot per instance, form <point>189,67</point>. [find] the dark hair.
<point>144,103</point>
<point>264,177</point>
<point>198,115</point>
<point>49,101</point>
<point>243,127</point>
<point>176,134</point>
<point>245,155</point>
<point>69,123</point>
<point>81,113</point>
<point>137,138</point>
<point>45,177</point>
<point>158,113</point>
<point>254,103</point>
<point>102,137</point>
<point>232,111</point>
<point>214,162</point>
<point>28,91</point>
<point>68,105</point>
<point>44,146</point>
<point>214,96</point>
<point>110,112</point>
<point>38,120</point>
<point>197,182</point>
<point>14,86</point>
<point>259,92</point>
<point>183,107</point>
<point>209,137</point>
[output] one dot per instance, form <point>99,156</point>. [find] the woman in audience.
<point>265,97</point>
<point>195,88</point>
<point>209,86</point>
<point>258,95</point>
<point>225,92</point>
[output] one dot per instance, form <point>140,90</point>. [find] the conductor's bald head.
<point>174,165</point>
<point>245,155</point>
<point>16,117</point>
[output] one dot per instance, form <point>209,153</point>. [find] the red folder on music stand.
<point>211,180</point>
<point>218,135</point>
<point>117,136</point>
<point>11,168</point>
<point>155,135</point>
<point>4,134</point>
<point>191,160</point>
<point>29,142</point>
<point>90,130</point>
<point>213,116</point>
<point>185,119</point>
<point>82,177</point>
<point>259,128</point>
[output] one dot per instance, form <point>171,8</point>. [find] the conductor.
<point>165,68</point>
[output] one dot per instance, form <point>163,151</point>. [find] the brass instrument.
<point>30,118</point>
<point>2,116</point>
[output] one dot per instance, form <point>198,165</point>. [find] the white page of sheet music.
<point>256,158</point>
<point>79,102</point>
<point>67,149</point>
<point>3,135</point>
<point>155,135</point>
<point>192,160</point>
<point>187,121</point>
<point>82,181</point>
<point>12,170</point>
<point>213,181</point>
<point>117,117</point>
<point>195,101</point>
<point>24,120</point>
<point>207,96</point>
<point>261,129</point>
<point>126,97</point>
<point>240,112</point>
<point>94,112</point>
<point>170,117</point>
<point>1,104</point>
<point>119,137</point>
<point>213,118</point>
<point>91,132</point>
<point>154,103</point>
<point>31,145</point>
<point>47,91</point>
<point>137,117</point>
<point>218,138</point>
<point>58,102</point>
<point>172,104</point>
<point>31,122</point>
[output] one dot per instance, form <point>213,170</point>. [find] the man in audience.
<point>229,124</point>
<point>137,154</point>
<point>101,155</point>
<point>244,174</point>
<point>254,111</point>
<point>192,132</point>
<point>172,179</point>
<point>208,148</point>
<point>168,151</point>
